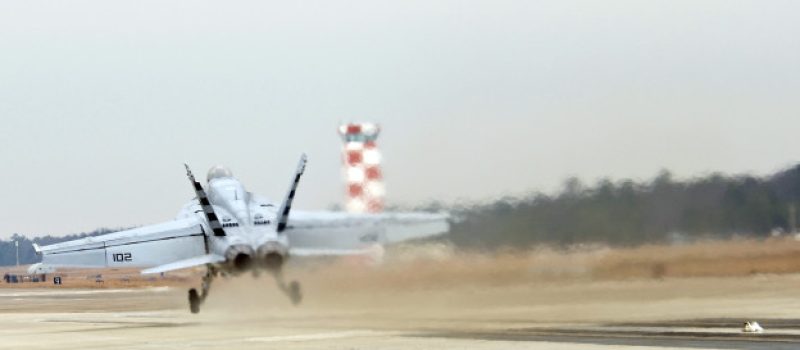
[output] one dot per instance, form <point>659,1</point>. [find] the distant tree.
<point>629,212</point>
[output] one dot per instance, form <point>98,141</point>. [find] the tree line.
<point>661,210</point>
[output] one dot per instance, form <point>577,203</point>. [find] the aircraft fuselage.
<point>251,239</point>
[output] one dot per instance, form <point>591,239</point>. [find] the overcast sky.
<point>102,102</point>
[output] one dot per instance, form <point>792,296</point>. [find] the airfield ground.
<point>433,297</point>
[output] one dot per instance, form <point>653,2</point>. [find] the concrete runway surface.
<point>247,313</point>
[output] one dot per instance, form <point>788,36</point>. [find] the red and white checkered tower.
<point>361,160</point>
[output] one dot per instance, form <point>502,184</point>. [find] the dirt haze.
<point>434,296</point>
<point>426,266</point>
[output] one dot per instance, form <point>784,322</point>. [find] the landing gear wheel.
<point>194,301</point>
<point>294,293</point>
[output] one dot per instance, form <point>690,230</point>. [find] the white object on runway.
<point>752,327</point>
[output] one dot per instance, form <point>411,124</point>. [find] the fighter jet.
<point>231,231</point>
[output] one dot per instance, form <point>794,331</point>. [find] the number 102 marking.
<point>122,257</point>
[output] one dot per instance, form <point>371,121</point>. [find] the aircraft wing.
<point>339,233</point>
<point>139,247</point>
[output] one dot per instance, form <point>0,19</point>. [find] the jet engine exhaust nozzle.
<point>272,255</point>
<point>240,257</point>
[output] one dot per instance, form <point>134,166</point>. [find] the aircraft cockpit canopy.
<point>218,172</point>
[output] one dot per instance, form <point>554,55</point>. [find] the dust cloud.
<point>438,282</point>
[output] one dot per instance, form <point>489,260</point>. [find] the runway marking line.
<point>319,336</point>
<point>63,292</point>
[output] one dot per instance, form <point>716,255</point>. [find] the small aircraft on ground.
<point>231,231</point>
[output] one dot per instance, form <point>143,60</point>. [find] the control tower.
<point>361,161</point>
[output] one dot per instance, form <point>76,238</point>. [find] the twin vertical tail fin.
<point>283,212</point>
<point>213,220</point>
<point>286,206</point>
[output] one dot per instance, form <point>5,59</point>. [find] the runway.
<point>249,314</point>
